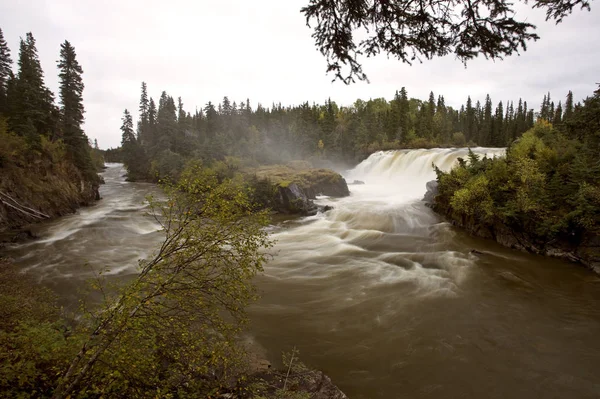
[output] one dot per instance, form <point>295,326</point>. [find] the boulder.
<point>432,191</point>
<point>292,199</point>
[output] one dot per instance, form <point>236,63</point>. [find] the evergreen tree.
<point>498,127</point>
<point>127,137</point>
<point>569,106</point>
<point>486,132</point>
<point>557,120</point>
<point>71,111</point>
<point>470,124</point>
<point>404,117</point>
<point>32,101</point>
<point>143,122</point>
<point>5,72</point>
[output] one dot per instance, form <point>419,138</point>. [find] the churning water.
<point>379,292</point>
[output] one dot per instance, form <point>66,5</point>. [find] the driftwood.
<point>5,198</point>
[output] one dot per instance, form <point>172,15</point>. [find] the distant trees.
<point>167,136</point>
<point>411,31</point>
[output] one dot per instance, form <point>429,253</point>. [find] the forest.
<point>166,135</point>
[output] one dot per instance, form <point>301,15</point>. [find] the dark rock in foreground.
<point>292,199</point>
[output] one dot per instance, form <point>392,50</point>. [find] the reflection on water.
<point>379,292</point>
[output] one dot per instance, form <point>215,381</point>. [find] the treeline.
<point>544,196</point>
<point>166,134</point>
<point>31,121</point>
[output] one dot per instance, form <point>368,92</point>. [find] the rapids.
<point>379,293</point>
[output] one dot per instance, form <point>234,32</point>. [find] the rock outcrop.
<point>297,185</point>
<point>292,199</point>
<point>40,191</point>
<point>432,191</point>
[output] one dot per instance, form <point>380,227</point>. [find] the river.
<point>379,292</point>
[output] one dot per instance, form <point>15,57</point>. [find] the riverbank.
<point>39,186</point>
<point>542,197</point>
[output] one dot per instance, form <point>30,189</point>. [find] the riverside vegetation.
<point>543,197</point>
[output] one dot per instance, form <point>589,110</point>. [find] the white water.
<point>381,231</point>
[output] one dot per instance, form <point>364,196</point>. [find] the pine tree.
<point>143,122</point>
<point>404,110</point>
<point>128,137</point>
<point>71,111</point>
<point>569,106</point>
<point>498,127</point>
<point>557,120</point>
<point>486,132</point>
<point>33,101</point>
<point>5,73</point>
<point>470,124</point>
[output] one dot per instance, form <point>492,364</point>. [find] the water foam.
<point>381,235</point>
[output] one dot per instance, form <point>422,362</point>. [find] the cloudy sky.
<point>204,50</point>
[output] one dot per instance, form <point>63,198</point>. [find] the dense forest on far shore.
<point>167,135</point>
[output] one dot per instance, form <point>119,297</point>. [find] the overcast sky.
<point>262,50</point>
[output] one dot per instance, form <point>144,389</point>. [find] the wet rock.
<point>326,208</point>
<point>292,199</point>
<point>432,191</point>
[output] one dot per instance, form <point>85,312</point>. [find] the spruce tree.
<point>486,133</point>
<point>127,136</point>
<point>33,101</point>
<point>569,106</point>
<point>71,111</point>
<point>143,122</point>
<point>470,125</point>
<point>5,73</point>
<point>557,120</point>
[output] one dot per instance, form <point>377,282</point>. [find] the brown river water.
<point>379,292</point>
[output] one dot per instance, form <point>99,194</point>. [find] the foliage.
<point>412,31</point>
<point>547,186</point>
<point>33,347</point>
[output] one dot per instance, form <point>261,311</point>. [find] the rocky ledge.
<point>295,186</point>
